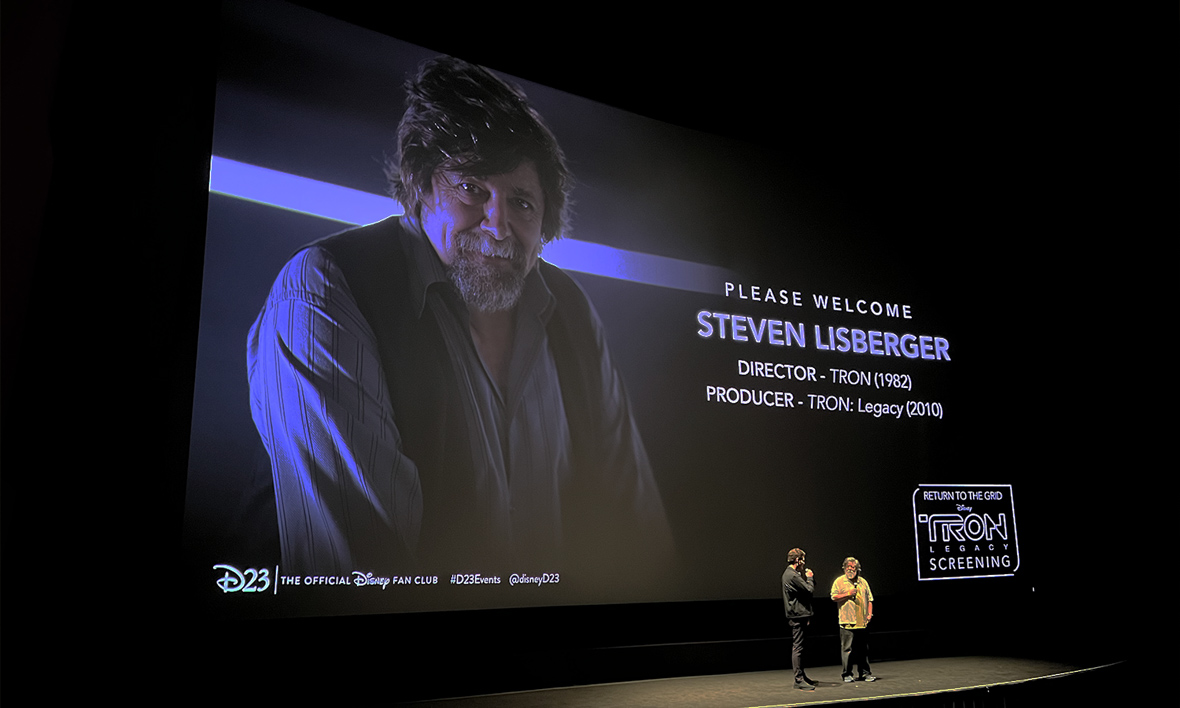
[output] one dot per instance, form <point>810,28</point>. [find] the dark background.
<point>1036,151</point>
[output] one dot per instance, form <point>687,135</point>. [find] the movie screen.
<point>586,357</point>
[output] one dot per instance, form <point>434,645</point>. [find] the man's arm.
<point>630,514</point>
<point>839,596</point>
<point>347,498</point>
<point>803,583</point>
<point>636,508</point>
<point>626,457</point>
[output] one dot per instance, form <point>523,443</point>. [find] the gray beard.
<point>484,287</point>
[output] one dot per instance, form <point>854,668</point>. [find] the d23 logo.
<point>248,580</point>
<point>965,531</point>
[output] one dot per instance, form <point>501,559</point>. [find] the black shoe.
<point>804,686</point>
<point>868,677</point>
<point>807,680</point>
<point>848,679</point>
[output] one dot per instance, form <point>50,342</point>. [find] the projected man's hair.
<point>461,117</point>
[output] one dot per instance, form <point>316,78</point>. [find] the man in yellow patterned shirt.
<point>854,601</point>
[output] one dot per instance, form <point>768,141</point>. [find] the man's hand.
<point>846,595</point>
<point>809,573</point>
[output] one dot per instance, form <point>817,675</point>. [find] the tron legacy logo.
<point>965,531</point>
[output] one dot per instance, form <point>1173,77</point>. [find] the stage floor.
<point>767,689</point>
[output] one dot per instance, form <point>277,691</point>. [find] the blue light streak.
<point>307,196</point>
<point>351,206</point>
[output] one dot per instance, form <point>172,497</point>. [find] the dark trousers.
<point>798,626</point>
<point>854,648</point>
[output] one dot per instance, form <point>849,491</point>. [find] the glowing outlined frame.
<point>917,541</point>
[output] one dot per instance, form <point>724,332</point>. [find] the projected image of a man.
<point>432,393</point>
<point>488,231</point>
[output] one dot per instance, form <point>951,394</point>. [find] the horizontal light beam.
<point>351,206</point>
<point>307,196</point>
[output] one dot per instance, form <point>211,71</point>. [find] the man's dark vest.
<point>423,390</point>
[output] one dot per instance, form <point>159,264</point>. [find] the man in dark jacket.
<point>798,588</point>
